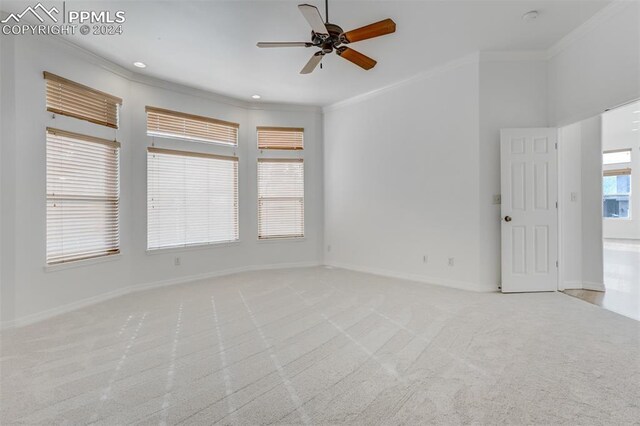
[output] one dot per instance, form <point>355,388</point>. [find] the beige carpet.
<point>324,346</point>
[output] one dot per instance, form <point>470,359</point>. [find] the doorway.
<point>620,214</point>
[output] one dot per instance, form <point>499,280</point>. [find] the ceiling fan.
<point>329,37</point>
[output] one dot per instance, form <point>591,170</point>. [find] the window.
<point>72,99</point>
<point>172,124</point>
<point>83,196</point>
<point>280,138</point>
<point>280,198</point>
<point>616,189</point>
<point>192,198</point>
<point>616,157</point>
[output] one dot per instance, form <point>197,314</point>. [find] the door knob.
<point>507,218</point>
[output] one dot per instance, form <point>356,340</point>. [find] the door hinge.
<point>556,204</point>
<point>557,264</point>
<point>556,145</point>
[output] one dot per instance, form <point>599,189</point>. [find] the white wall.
<point>617,133</point>
<point>401,179</point>
<point>580,213</point>
<point>7,177</point>
<point>591,158</point>
<point>512,94</point>
<point>37,291</point>
<point>597,66</point>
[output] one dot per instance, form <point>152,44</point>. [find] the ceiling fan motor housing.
<point>328,43</point>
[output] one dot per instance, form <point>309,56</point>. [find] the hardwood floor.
<point>621,279</point>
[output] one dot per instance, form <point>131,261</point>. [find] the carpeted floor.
<point>324,346</point>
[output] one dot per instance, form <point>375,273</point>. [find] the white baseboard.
<point>59,310</point>
<point>592,286</point>
<point>582,285</point>
<point>461,285</point>
<point>571,285</point>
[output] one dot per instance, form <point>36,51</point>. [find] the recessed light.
<point>256,96</point>
<point>140,64</point>
<point>530,16</point>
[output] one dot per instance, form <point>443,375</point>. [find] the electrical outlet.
<point>176,261</point>
<point>425,259</point>
<point>574,197</point>
<point>497,199</point>
<point>329,248</point>
<point>451,261</point>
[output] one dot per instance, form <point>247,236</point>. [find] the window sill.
<point>618,218</point>
<point>82,263</point>
<point>282,240</point>
<point>151,252</point>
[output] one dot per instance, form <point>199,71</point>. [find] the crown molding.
<point>425,75</point>
<point>589,25</point>
<point>513,56</point>
<point>140,78</point>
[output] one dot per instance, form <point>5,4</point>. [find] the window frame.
<point>627,171</point>
<point>193,246</point>
<point>615,151</point>
<point>79,258</point>
<point>290,237</point>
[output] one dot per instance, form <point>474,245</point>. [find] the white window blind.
<point>173,124</point>
<point>192,198</point>
<point>83,195</point>
<point>66,97</point>
<point>280,138</point>
<point>280,198</point>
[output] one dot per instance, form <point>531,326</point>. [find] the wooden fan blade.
<point>312,15</point>
<point>356,57</point>
<point>370,31</point>
<point>312,64</point>
<point>284,44</point>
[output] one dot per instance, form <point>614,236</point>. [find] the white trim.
<point>461,285</point>
<point>82,262</point>
<point>586,285</point>
<point>191,247</point>
<point>585,28</point>
<point>59,310</point>
<point>571,285</point>
<point>430,73</point>
<point>513,56</point>
<point>176,87</point>
<point>281,240</point>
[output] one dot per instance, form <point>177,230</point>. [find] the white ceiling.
<point>211,45</point>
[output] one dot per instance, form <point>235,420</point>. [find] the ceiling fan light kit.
<point>330,37</point>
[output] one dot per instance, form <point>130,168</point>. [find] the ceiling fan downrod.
<point>326,11</point>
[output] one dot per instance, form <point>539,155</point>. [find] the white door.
<point>529,181</point>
